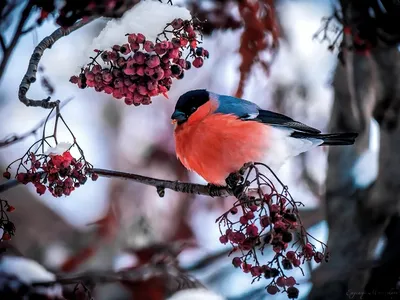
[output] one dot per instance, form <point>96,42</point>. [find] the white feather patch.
<point>281,146</point>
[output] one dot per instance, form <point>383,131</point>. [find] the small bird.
<point>215,135</point>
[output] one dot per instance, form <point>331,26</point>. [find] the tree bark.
<point>367,87</point>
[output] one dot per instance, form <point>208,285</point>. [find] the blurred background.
<point>140,140</point>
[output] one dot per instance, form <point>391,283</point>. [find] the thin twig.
<point>30,75</point>
<point>18,33</point>
<point>177,186</point>
<point>17,138</point>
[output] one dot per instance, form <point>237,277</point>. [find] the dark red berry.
<point>237,262</point>
<point>223,239</point>
<point>280,281</point>
<point>272,289</point>
<point>234,210</point>
<point>287,237</point>
<point>7,175</point>
<point>177,23</point>
<point>286,264</point>
<point>290,281</point>
<point>292,292</point>
<point>198,62</point>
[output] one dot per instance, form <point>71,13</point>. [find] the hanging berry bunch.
<point>6,225</point>
<point>59,173</point>
<point>141,69</point>
<point>267,218</point>
<point>55,170</point>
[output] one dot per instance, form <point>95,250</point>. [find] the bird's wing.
<point>247,110</point>
<point>275,119</point>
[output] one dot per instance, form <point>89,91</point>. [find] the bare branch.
<point>30,75</point>
<point>9,184</point>
<point>161,185</point>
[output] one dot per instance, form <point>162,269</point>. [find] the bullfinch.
<point>215,135</point>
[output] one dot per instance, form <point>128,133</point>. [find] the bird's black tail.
<point>331,139</point>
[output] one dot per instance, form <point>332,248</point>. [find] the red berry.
<point>6,236</point>
<point>280,281</point>
<point>177,23</point>
<point>246,267</point>
<point>253,208</point>
<point>128,101</point>
<point>243,220</point>
<point>132,38</point>
<point>256,271</point>
<point>74,79</point>
<point>223,239</point>
<point>140,70</point>
<point>252,230</point>
<point>290,255</point>
<point>184,42</point>
<point>10,208</point>
<point>96,69</point>
<point>94,176</point>
<point>134,46</point>
<point>318,257</point>
<point>296,262</point>
<point>125,49</point>
<point>198,62</point>
<point>129,71</point>
<point>265,221</point>
<point>234,210</point>
<point>237,262</point>
<point>272,289</point>
<point>148,46</point>
<point>250,215</point>
<point>290,281</point>
<point>140,38</point>
<point>108,89</point>
<point>22,178</point>
<point>153,61</point>
<point>40,188</point>
<point>7,175</point>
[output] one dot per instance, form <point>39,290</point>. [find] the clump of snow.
<point>196,294</point>
<point>147,17</point>
<point>366,168</point>
<point>26,270</point>
<point>59,149</point>
<point>124,260</point>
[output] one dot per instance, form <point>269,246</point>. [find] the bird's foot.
<point>233,179</point>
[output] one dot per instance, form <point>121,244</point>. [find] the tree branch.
<point>161,185</point>
<point>7,51</point>
<point>30,75</point>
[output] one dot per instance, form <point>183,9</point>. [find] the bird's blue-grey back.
<point>230,105</point>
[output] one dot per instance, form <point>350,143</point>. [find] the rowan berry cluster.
<point>270,218</point>
<point>59,174</point>
<point>140,68</point>
<point>6,225</point>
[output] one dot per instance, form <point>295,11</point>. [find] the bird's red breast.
<point>215,145</point>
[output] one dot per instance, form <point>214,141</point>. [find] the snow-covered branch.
<point>30,75</point>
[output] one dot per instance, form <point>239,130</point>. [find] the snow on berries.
<point>56,171</point>
<point>140,69</point>
<point>262,219</point>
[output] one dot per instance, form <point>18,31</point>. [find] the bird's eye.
<point>193,109</point>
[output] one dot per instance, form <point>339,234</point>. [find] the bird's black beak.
<point>178,117</point>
